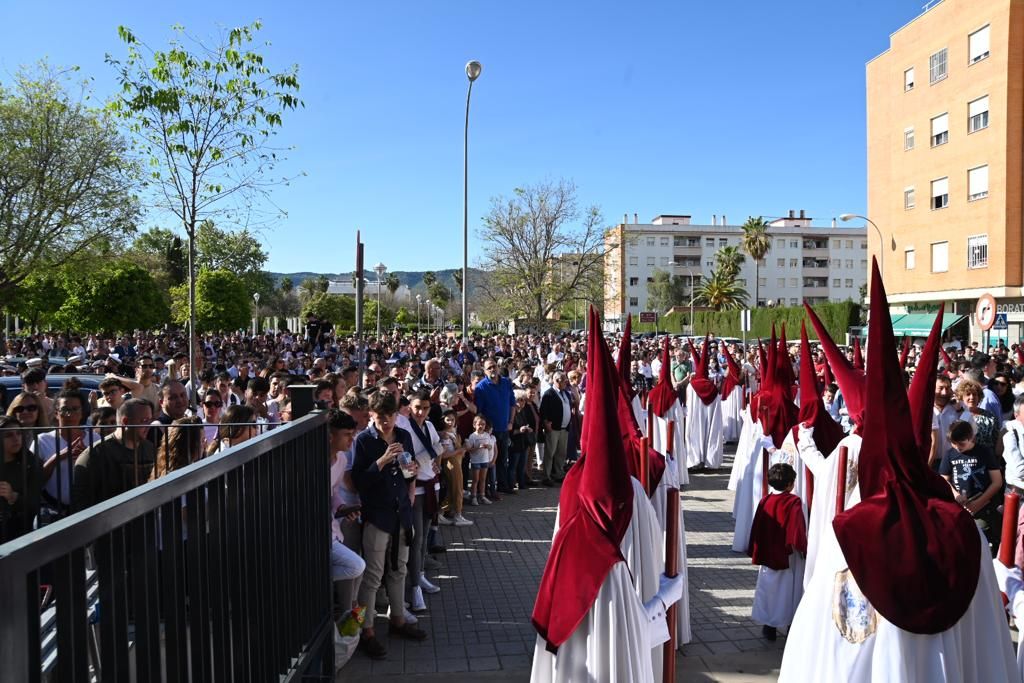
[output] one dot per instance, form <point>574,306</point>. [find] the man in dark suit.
<point>555,413</point>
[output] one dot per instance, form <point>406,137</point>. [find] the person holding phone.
<point>386,494</point>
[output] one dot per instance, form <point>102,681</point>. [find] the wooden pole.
<point>650,421</point>
<point>765,459</point>
<point>1011,506</point>
<point>844,456</point>
<point>671,564</point>
<point>644,468</point>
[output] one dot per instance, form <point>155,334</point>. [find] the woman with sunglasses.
<point>213,409</point>
<point>27,410</point>
<point>19,482</point>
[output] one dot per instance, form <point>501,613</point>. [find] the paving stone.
<point>484,664</point>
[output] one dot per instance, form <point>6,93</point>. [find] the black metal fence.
<point>218,571</point>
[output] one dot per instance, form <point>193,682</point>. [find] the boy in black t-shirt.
<point>977,481</point>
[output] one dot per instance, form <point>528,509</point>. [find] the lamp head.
<point>380,268</point>
<point>844,217</point>
<point>256,297</point>
<point>473,70</point>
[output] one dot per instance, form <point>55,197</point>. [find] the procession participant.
<point>703,415</point>
<point>904,589</point>
<point>623,366</point>
<point>663,401</point>
<point>732,399</point>
<point>593,622</point>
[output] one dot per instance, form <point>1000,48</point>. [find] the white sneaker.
<point>418,604</point>
<point>462,521</point>
<point>485,500</point>
<point>446,520</point>
<point>410,618</point>
<point>428,587</point>
<point>474,501</point>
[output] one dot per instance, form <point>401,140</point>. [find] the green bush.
<point>836,316</point>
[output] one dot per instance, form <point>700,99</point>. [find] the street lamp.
<point>380,268</point>
<point>418,300</point>
<point>473,70</point>
<point>844,217</point>
<point>430,313</point>
<point>256,320</point>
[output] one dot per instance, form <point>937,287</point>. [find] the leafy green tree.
<point>404,317</point>
<point>666,291</point>
<point>721,291</point>
<point>439,294</point>
<point>429,278</point>
<point>287,285</point>
<point>729,260</point>
<point>67,181</point>
<point>120,296</point>
<point>387,316</point>
<point>162,253</point>
<point>38,297</point>
<point>222,302</point>
<point>334,308</point>
<point>205,115</point>
<point>756,242</point>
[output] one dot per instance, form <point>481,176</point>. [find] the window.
<point>650,260</point>
<point>908,80</point>
<point>781,244</point>
<point>634,281</point>
<point>848,283</point>
<point>908,138</point>
<point>793,263</point>
<point>940,130</point>
<point>741,281</point>
<point>709,264</point>
<point>909,258</point>
<point>664,260</point>
<point>940,194</point>
<point>678,241</point>
<point>634,261</point>
<point>793,282</point>
<point>794,302</point>
<point>849,245</point>
<point>634,301</point>
<point>835,282</point>
<point>781,282</point>
<point>977,114</point>
<point>864,263</point>
<point>977,45</point>
<point>937,66</point>
<point>849,263</point>
<point>863,245</point>
<point>977,183</point>
<point>650,279</point>
<point>908,198</point>
<point>977,251</point>
<point>837,244</point>
<point>709,242</point>
<point>762,282</point>
<point>836,263</point>
<point>723,242</point>
<point>940,257</point>
<point>650,241</point>
<point>781,263</point>
<point>664,241</point>
<point>794,244</point>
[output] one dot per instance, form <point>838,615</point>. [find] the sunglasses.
<point>213,404</point>
<point>25,409</point>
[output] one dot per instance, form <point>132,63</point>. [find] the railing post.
<point>302,399</point>
<point>17,640</point>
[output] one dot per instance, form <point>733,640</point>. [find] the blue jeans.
<point>516,469</point>
<point>501,464</point>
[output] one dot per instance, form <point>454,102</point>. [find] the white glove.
<point>767,443</point>
<point>670,591</point>
<point>1010,582</point>
<point>805,432</point>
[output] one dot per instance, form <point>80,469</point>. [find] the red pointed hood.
<point>624,362</point>
<point>947,362</point>
<point>586,546</point>
<point>921,393</point>
<point>827,432</point>
<point>850,380</point>
<point>784,366</point>
<point>1020,354</point>
<point>733,375</point>
<point>904,353</point>
<point>858,355</point>
<point>705,389</point>
<point>912,549</point>
<point>763,370</point>
<point>663,395</point>
<point>775,408</point>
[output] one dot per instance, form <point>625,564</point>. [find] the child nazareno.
<point>778,543</point>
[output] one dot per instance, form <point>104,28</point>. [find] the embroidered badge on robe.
<point>853,615</point>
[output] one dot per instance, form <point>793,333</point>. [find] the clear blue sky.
<point>673,107</point>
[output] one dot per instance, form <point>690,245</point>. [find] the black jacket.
<point>551,409</point>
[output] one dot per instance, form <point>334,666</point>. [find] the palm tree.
<point>721,292</point>
<point>457,276</point>
<point>429,278</point>
<point>729,260</point>
<point>287,285</point>
<point>756,243</point>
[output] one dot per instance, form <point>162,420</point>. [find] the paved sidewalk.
<point>479,625</point>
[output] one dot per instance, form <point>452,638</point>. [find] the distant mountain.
<point>413,280</point>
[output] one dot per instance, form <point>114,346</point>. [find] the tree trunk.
<point>192,374</point>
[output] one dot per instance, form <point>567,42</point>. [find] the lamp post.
<point>845,217</point>
<point>473,70</point>
<point>256,320</point>
<point>380,269</point>
<point>430,313</point>
<point>418,300</point>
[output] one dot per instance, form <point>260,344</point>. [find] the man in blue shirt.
<point>495,400</point>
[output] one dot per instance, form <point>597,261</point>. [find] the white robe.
<point>825,471</point>
<point>606,644</point>
<point>976,649</point>
<point>639,414</point>
<point>739,461</point>
<point>704,439</point>
<point>745,504</point>
<point>659,500</point>
<point>732,420</point>
<point>676,414</point>
<point>778,593</point>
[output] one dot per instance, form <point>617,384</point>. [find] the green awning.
<point>920,324</point>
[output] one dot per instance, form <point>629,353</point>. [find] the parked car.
<point>11,386</point>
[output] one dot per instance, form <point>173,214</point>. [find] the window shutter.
<point>978,106</point>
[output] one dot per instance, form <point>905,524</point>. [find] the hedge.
<point>837,317</point>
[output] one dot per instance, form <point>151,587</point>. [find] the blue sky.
<point>674,107</point>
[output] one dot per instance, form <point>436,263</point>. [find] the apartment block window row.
<point>977,251</point>
<point>978,48</point>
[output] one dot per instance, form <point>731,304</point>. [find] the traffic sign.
<point>648,316</point>
<point>745,320</point>
<point>1000,323</point>
<point>985,312</point>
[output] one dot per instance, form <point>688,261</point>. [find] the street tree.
<point>540,247</point>
<point>222,302</point>
<point>429,278</point>
<point>729,260</point>
<point>334,308</point>
<point>205,116</point>
<point>119,296</point>
<point>665,291</point>
<point>66,179</point>
<point>161,251</point>
<point>721,291</point>
<point>756,242</point>
<point>38,297</point>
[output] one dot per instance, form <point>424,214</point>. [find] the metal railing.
<point>219,571</point>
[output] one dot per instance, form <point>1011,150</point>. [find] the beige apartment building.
<point>945,143</point>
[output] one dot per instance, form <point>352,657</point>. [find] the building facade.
<point>945,144</point>
<point>805,263</point>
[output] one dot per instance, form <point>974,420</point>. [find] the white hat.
<point>34,362</point>
<point>74,360</point>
